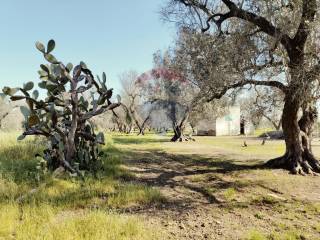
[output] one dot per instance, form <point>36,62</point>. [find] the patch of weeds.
<point>107,192</point>
<point>255,235</point>
<point>286,231</point>
<point>134,139</point>
<point>234,205</point>
<point>317,227</point>
<point>18,161</point>
<point>131,194</point>
<point>269,200</point>
<point>291,234</point>
<point>265,200</point>
<point>282,226</point>
<point>242,183</point>
<point>286,235</point>
<point>62,208</point>
<point>259,215</point>
<point>198,178</point>
<point>9,215</point>
<point>230,194</point>
<point>209,190</point>
<point>8,189</point>
<point>48,223</point>
<point>312,208</point>
<point>112,167</point>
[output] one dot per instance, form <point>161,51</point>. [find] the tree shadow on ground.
<point>137,140</point>
<point>157,168</point>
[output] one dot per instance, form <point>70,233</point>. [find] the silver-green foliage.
<point>63,117</point>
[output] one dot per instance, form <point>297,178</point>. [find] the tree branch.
<point>234,11</point>
<point>309,8</point>
<point>275,84</point>
<point>261,22</point>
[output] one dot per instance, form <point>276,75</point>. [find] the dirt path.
<point>184,214</point>
<point>190,211</point>
<point>211,196</point>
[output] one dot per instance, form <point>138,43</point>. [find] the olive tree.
<point>167,88</point>
<point>247,40</point>
<point>263,104</point>
<point>138,109</point>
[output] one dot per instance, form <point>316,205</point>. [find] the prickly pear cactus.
<point>63,116</point>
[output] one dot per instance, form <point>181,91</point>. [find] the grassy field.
<point>64,207</point>
<point>212,188</point>
<point>220,191</point>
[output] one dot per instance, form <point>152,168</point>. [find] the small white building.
<point>230,124</point>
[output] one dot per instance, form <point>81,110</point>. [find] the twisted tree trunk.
<point>178,129</point>
<point>143,125</point>
<point>298,157</point>
<point>302,74</point>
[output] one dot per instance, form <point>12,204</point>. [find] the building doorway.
<point>242,127</point>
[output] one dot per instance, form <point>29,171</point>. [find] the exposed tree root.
<point>304,164</point>
<point>182,138</point>
<point>186,139</point>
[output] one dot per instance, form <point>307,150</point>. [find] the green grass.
<point>230,194</point>
<point>65,207</point>
<point>46,222</point>
<point>255,235</point>
<point>260,131</point>
<point>98,208</point>
<point>261,198</point>
<point>290,234</point>
<point>254,148</point>
<point>145,142</point>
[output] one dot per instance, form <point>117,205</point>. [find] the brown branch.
<point>261,22</point>
<point>234,11</point>
<point>222,92</point>
<point>269,64</point>
<point>309,9</point>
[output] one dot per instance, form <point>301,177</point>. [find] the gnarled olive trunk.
<point>178,134</point>
<point>179,128</point>
<point>298,157</point>
<point>143,125</point>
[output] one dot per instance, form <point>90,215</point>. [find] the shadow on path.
<point>174,171</point>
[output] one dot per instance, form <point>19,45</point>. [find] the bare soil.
<point>216,191</point>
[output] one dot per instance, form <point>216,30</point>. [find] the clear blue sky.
<point>109,35</point>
